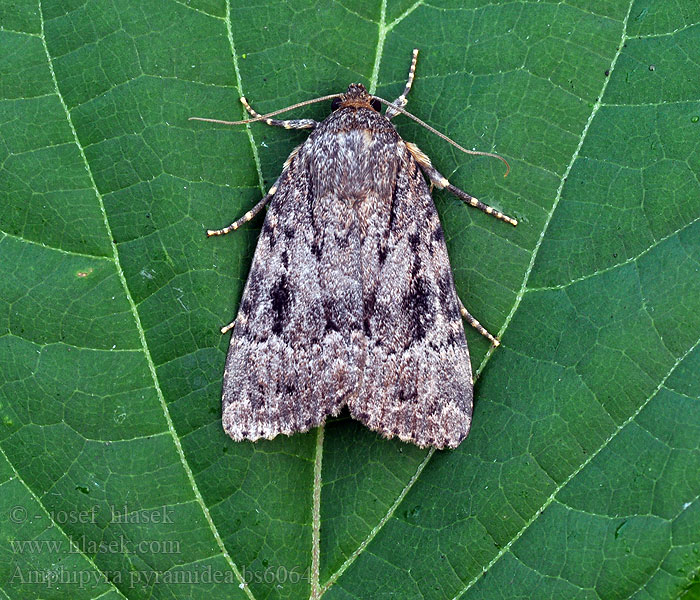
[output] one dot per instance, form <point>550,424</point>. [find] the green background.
<point>581,476</point>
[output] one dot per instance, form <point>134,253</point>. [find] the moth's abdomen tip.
<point>243,100</point>
<point>496,342</point>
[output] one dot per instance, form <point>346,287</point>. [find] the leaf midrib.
<point>316,589</point>
<point>519,296</point>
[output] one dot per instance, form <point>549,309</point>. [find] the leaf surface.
<point>581,476</point>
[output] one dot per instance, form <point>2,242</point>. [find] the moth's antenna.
<point>331,96</point>
<point>443,136</point>
<point>268,115</point>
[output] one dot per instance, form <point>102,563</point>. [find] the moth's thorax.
<point>355,117</point>
<point>354,155</point>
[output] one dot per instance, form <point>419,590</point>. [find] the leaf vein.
<point>632,259</point>
<point>558,195</point>
<point>574,473</point>
<point>75,549</point>
<point>54,248</point>
<point>390,513</point>
<point>137,318</point>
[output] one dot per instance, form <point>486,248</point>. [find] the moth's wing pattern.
<point>417,381</point>
<point>296,350</point>
<point>350,298</point>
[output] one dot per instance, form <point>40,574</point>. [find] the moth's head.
<point>356,97</point>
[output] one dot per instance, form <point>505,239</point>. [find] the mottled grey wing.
<point>417,381</point>
<point>296,350</point>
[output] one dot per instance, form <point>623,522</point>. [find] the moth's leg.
<point>229,327</point>
<point>259,206</point>
<point>441,182</point>
<point>246,217</point>
<point>292,124</point>
<point>475,324</point>
<point>401,100</point>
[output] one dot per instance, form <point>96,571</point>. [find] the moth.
<point>350,300</point>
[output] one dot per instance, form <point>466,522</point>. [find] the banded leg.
<point>259,206</point>
<point>437,179</point>
<point>476,325</point>
<point>251,213</point>
<point>401,100</point>
<point>292,124</point>
<point>229,327</point>
<point>235,225</point>
<point>246,217</point>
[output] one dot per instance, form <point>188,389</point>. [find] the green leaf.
<point>581,476</point>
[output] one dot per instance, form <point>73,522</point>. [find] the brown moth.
<point>350,300</point>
